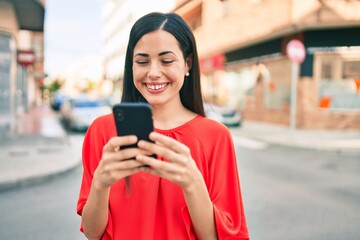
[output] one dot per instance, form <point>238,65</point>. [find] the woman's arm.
<point>111,169</point>
<point>200,209</point>
<point>95,213</point>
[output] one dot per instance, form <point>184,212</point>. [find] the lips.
<point>156,86</point>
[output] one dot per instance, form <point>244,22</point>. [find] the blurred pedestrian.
<point>192,190</point>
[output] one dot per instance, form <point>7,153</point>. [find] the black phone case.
<point>133,119</point>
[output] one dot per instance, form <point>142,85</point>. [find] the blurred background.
<point>62,63</point>
<point>52,51</point>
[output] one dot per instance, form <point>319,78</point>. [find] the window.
<point>339,81</point>
<point>276,77</point>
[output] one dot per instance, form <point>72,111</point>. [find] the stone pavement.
<point>345,141</point>
<point>43,149</point>
<point>40,150</point>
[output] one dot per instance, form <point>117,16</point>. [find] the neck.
<point>170,116</point>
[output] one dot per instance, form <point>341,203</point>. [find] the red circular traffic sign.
<point>25,57</point>
<point>296,51</point>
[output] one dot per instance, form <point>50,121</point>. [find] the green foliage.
<point>54,85</point>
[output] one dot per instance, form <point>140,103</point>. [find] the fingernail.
<point>141,143</point>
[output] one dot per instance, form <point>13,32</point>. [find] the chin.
<point>155,103</point>
<point>153,100</point>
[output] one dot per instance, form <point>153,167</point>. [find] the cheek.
<point>176,74</point>
<point>138,75</point>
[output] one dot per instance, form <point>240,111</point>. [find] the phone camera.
<point>119,115</point>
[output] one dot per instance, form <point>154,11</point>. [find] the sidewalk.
<point>41,150</point>
<point>321,140</point>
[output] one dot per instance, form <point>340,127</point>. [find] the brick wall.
<point>309,116</point>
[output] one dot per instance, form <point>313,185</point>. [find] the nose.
<point>154,71</point>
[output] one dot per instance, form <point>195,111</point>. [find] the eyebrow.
<point>160,54</point>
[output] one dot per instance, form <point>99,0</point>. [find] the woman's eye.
<point>141,62</point>
<point>167,61</point>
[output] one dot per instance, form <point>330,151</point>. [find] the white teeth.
<point>156,87</point>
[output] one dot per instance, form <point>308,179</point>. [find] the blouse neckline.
<point>164,131</point>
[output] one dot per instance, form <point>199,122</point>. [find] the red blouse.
<point>155,208</point>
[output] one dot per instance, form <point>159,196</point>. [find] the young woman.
<point>192,190</point>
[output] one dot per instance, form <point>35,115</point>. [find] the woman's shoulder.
<point>198,127</point>
<point>210,125</point>
<point>205,128</point>
<point>210,134</point>
<point>107,118</point>
<point>103,124</point>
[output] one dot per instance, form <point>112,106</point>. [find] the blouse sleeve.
<point>224,189</point>
<point>91,155</point>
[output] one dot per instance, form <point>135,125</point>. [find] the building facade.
<point>118,16</point>
<point>21,60</point>
<point>242,47</point>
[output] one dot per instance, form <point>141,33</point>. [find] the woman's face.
<point>159,68</point>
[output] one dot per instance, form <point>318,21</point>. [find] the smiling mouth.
<point>156,86</point>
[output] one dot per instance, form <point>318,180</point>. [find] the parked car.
<point>229,116</point>
<point>57,100</point>
<point>79,113</point>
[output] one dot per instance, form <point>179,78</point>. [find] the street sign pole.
<point>293,92</point>
<point>296,51</point>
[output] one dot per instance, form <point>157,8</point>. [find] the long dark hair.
<point>190,93</point>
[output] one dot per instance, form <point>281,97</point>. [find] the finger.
<point>169,142</point>
<point>122,166</point>
<point>132,152</point>
<point>117,175</point>
<point>156,164</point>
<point>150,147</point>
<point>159,150</point>
<point>124,154</point>
<point>169,175</point>
<point>115,142</point>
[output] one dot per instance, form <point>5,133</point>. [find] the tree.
<point>54,85</point>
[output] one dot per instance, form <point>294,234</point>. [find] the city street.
<point>300,194</point>
<point>46,210</point>
<point>284,76</point>
<point>288,194</point>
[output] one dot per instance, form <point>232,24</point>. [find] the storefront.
<point>257,79</point>
<point>5,71</point>
<point>15,74</point>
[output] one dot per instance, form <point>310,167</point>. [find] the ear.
<point>188,62</point>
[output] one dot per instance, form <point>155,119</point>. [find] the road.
<point>46,210</point>
<point>288,194</point>
<point>299,194</point>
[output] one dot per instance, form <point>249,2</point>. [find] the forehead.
<point>156,42</point>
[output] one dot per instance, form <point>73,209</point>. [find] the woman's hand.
<point>115,164</point>
<point>179,167</point>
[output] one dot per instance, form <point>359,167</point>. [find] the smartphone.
<point>133,119</point>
